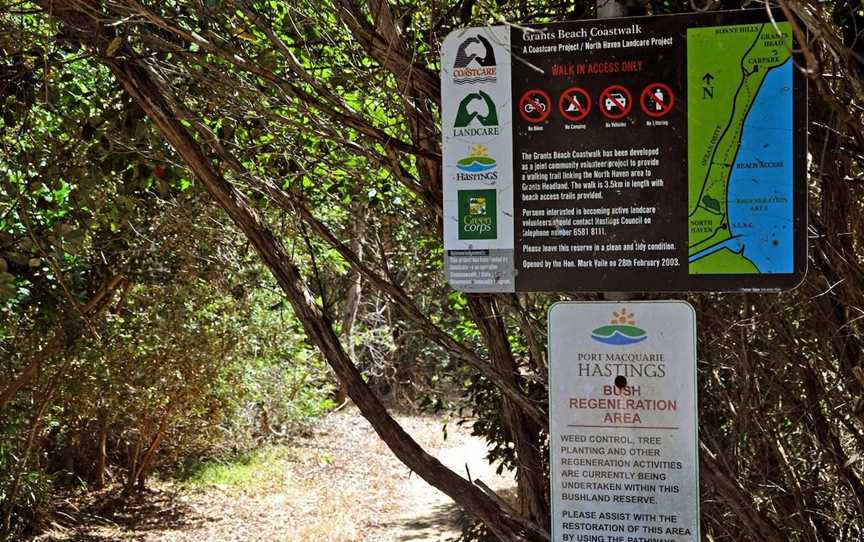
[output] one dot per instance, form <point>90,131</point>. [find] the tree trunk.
<point>25,456</point>
<point>759,527</point>
<point>352,297</point>
<point>138,80</point>
<point>533,488</point>
<point>101,454</point>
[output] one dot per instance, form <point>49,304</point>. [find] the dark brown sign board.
<point>662,153</point>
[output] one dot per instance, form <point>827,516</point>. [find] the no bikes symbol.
<point>535,106</point>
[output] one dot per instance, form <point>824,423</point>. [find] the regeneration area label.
<point>661,153</point>
<point>623,423</point>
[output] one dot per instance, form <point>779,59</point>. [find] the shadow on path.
<point>116,518</point>
<point>436,524</point>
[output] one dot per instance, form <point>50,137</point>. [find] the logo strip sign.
<point>661,153</point>
<point>623,423</point>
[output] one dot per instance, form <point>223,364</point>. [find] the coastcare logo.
<point>621,330</point>
<point>477,116</point>
<point>479,166</point>
<point>475,62</point>
<point>477,214</point>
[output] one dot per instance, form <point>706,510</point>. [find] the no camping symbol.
<point>535,106</point>
<point>574,104</point>
<point>657,100</point>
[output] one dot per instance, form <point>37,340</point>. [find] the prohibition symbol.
<point>574,104</point>
<point>657,100</point>
<point>535,106</point>
<point>615,102</point>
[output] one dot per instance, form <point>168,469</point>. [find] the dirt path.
<point>340,485</point>
<point>426,514</point>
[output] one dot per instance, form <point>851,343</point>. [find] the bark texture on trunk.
<point>143,86</point>
<point>525,434</point>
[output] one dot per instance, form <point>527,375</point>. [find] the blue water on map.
<point>760,203</point>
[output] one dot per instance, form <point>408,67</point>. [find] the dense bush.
<point>314,127</point>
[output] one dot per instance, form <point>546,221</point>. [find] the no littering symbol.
<point>657,100</point>
<point>615,102</point>
<point>574,104</point>
<point>535,106</point>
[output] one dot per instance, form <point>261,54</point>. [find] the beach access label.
<point>661,153</point>
<point>623,441</point>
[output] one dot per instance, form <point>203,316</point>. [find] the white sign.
<point>478,160</point>
<point>623,424</point>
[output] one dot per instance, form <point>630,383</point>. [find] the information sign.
<point>622,409</point>
<point>661,153</point>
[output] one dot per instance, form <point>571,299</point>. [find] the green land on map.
<point>731,62</point>
<point>729,261</point>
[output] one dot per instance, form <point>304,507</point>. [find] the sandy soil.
<point>340,485</point>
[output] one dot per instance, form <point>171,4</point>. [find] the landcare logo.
<point>479,166</point>
<point>477,214</point>
<point>477,116</point>
<point>621,330</point>
<point>475,62</point>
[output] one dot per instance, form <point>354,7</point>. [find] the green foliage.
<point>241,470</point>
<point>196,352</point>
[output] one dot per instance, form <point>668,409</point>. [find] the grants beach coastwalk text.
<point>593,181</point>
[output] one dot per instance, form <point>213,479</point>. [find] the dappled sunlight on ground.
<point>340,485</point>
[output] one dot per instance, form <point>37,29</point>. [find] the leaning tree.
<point>319,122</point>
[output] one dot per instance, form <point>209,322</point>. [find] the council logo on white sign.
<point>475,62</point>
<point>479,166</point>
<point>621,330</point>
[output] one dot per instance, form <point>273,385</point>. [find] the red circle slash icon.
<point>535,106</point>
<point>574,104</point>
<point>657,100</point>
<point>615,102</point>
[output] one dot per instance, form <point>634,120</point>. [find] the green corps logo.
<point>477,214</point>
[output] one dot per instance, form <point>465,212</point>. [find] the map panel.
<point>740,140</point>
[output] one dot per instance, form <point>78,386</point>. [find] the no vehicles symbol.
<point>657,100</point>
<point>574,104</point>
<point>535,106</point>
<point>615,102</point>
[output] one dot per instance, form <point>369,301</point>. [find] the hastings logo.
<point>475,62</point>
<point>476,116</point>
<point>621,330</point>
<point>477,167</point>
